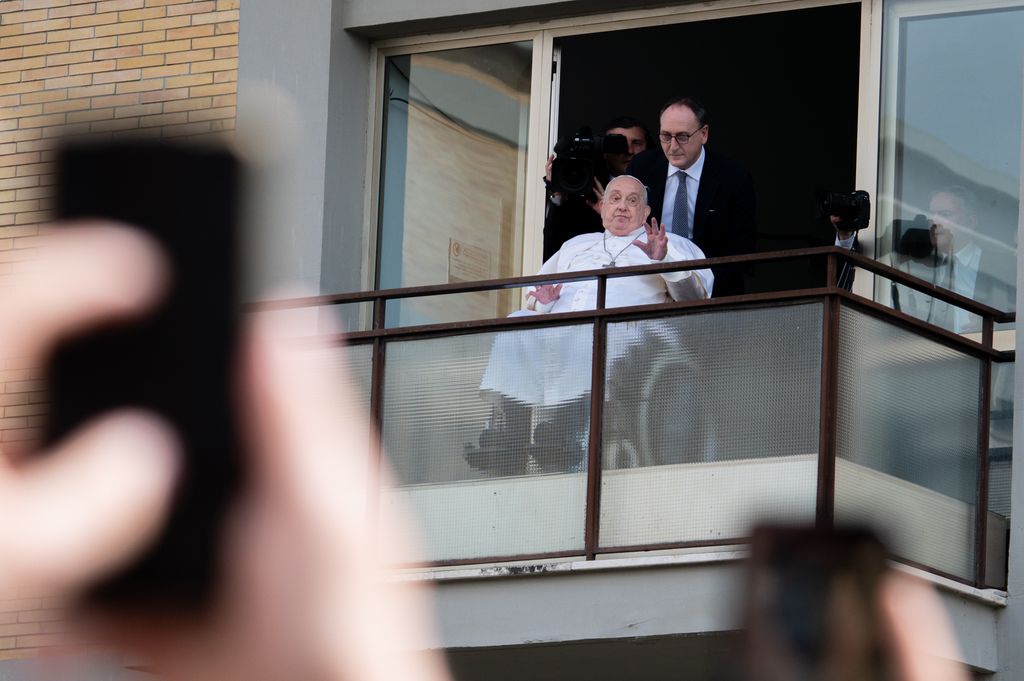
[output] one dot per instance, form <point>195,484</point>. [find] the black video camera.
<point>579,158</point>
<point>854,209</point>
<point>913,238</point>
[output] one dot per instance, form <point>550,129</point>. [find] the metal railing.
<point>832,298</point>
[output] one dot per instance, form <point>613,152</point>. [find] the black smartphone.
<point>178,361</point>
<point>813,608</point>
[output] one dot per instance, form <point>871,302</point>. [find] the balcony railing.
<point>682,424</point>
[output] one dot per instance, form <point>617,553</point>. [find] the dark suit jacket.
<point>723,220</point>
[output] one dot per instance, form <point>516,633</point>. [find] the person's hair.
<point>968,199</point>
<point>691,103</point>
<point>631,122</point>
<point>643,193</point>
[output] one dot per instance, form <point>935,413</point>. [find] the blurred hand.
<point>305,594</point>
<point>74,514</point>
<point>942,239</point>
<point>923,642</point>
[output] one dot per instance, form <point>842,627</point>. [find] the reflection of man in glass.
<point>941,249</point>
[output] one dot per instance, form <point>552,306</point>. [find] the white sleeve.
<point>686,284</point>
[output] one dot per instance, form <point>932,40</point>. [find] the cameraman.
<point>945,255</point>
<point>567,216</point>
<point>935,248</point>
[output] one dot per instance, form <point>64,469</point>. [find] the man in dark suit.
<point>698,193</point>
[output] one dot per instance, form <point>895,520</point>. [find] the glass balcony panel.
<point>453,178</point>
<point>711,424</point>
<point>487,436</point>
<point>907,453</point>
<point>1000,468</point>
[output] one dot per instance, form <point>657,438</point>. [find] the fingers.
<point>311,442</point>
<point>548,165</point>
<point>923,642</point>
<point>79,277</point>
<point>84,509</point>
<point>313,459</point>
<point>655,232</point>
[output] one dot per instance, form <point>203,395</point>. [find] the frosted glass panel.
<point>908,441</point>
<point>487,435</point>
<point>711,424</point>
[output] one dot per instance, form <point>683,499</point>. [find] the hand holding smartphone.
<point>814,607</point>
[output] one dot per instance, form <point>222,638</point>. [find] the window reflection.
<point>951,149</point>
<point>453,176</point>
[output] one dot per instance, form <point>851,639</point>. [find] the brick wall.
<point>118,67</point>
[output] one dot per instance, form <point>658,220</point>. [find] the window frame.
<point>543,100</point>
<point>889,81</point>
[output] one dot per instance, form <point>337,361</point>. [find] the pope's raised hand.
<point>547,293</point>
<point>656,246</point>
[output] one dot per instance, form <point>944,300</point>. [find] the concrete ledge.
<point>641,597</point>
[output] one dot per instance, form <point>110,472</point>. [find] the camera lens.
<point>573,175</point>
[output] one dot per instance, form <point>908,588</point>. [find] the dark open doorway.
<point>781,89</point>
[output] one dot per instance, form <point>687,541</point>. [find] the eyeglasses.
<point>681,138</point>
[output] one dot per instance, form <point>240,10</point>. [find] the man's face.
<point>949,217</point>
<point>636,141</point>
<point>678,120</point>
<point>949,211</point>
<point>623,208</point>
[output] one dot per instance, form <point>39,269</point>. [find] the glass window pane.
<point>487,436</point>
<point>454,169</point>
<point>951,150</point>
<point>907,441</point>
<point>711,424</point>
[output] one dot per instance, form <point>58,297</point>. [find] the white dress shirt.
<point>692,175</point>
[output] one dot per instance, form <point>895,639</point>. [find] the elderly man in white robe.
<point>628,239</point>
<point>549,369</point>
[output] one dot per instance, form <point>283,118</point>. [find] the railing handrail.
<point>844,255</point>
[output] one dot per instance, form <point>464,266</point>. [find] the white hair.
<point>643,193</point>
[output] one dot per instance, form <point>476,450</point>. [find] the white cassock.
<point>549,366</point>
